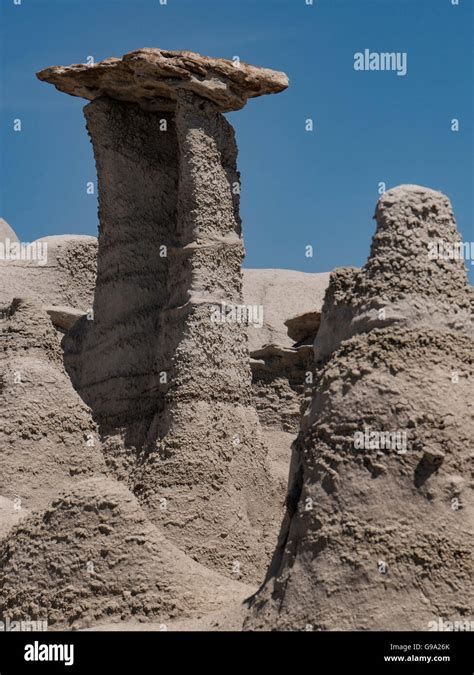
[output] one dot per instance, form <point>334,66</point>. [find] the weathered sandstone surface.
<point>150,431</point>
<point>279,362</point>
<point>283,294</point>
<point>92,555</point>
<point>7,234</point>
<point>153,78</point>
<point>380,537</point>
<point>168,384</point>
<point>48,439</point>
<point>67,276</point>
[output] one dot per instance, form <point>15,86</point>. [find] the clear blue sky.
<point>298,188</point>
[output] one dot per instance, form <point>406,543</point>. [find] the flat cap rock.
<point>152,77</point>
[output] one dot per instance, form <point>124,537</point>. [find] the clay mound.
<point>66,278</point>
<point>47,437</point>
<point>92,556</point>
<point>152,77</point>
<point>380,509</point>
<point>282,294</point>
<point>223,506</point>
<point>7,234</point>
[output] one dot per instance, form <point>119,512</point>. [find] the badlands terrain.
<point>186,444</point>
<point>53,460</point>
<point>85,547</point>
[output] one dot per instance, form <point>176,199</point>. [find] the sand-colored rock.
<point>92,555</point>
<point>7,234</point>
<point>63,317</point>
<point>278,381</point>
<point>303,327</point>
<point>152,78</point>
<point>11,512</point>
<point>48,439</point>
<point>141,480</point>
<point>168,384</point>
<point>291,304</point>
<point>401,285</point>
<point>381,538</point>
<point>67,276</point>
<point>283,294</point>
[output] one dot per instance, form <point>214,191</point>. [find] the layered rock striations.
<point>157,455</point>
<point>380,510</point>
<point>55,270</point>
<point>164,370</point>
<point>154,78</point>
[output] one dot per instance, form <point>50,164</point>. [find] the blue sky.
<point>298,187</point>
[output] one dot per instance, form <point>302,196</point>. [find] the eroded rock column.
<point>137,167</point>
<point>165,371</point>
<point>207,465</point>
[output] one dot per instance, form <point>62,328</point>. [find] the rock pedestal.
<point>166,375</point>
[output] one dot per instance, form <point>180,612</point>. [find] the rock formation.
<point>48,439</point>
<point>380,509</point>
<point>283,294</point>
<point>63,317</point>
<point>49,444</point>
<point>163,368</point>
<point>148,417</point>
<point>304,327</point>
<point>376,536</point>
<point>154,78</point>
<point>279,366</point>
<point>92,555</point>
<point>11,513</point>
<point>7,234</point>
<point>278,377</point>
<point>89,554</point>
<point>64,274</point>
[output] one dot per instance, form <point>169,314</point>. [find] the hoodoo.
<point>170,388</point>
